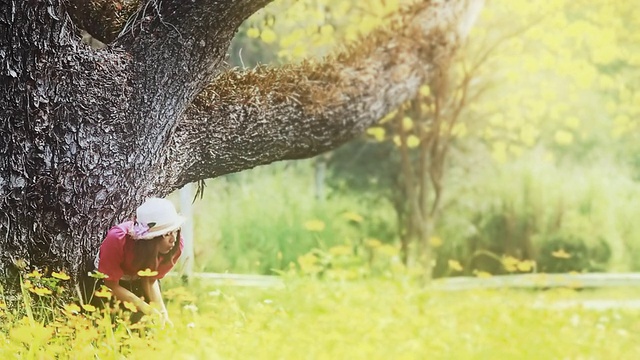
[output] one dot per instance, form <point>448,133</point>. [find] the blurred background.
<point>523,158</point>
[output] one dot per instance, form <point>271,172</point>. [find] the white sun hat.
<point>160,216</point>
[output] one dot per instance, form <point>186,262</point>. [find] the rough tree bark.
<point>86,135</point>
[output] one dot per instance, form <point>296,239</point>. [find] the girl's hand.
<point>166,321</point>
<point>162,317</point>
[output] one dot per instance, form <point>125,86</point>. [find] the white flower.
<point>191,307</point>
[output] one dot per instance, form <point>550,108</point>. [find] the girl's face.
<point>167,242</point>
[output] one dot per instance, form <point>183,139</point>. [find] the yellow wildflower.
<point>526,265</point>
<point>97,275</point>
<point>40,291</point>
<point>455,265</point>
<point>89,307</point>
<point>436,241</point>
<point>340,250</point>
<point>561,254</point>
<point>268,36</point>
<point>253,32</point>
<point>130,306</point>
<point>376,132</point>
<point>104,292</point>
<point>314,225</point>
<point>482,274</point>
<point>147,273</point>
<point>72,308</point>
<point>27,284</point>
<point>510,263</point>
<point>34,274</point>
<point>352,216</point>
<point>60,275</point>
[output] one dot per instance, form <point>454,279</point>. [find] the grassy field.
<point>365,319</point>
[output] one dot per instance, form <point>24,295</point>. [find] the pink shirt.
<point>116,254</point>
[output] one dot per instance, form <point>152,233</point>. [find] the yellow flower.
<point>60,275</point>
<point>425,90</point>
<point>407,123</point>
<point>413,141</point>
<point>563,137</point>
<point>268,36</point>
<point>340,250</point>
<point>253,32</point>
<point>147,273</point>
<point>27,284</point>
<point>526,265</point>
<point>314,225</point>
<point>130,306</point>
<point>40,291</point>
<point>435,241</point>
<point>34,274</point>
<point>89,307</point>
<point>3,305</point>
<point>482,274</point>
<point>455,265</point>
<point>72,308</point>
<point>308,263</point>
<point>510,263</point>
<point>352,216</point>
<point>97,275</point>
<point>561,254</point>
<point>376,132</point>
<point>104,292</point>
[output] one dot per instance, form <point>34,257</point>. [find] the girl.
<point>136,254</point>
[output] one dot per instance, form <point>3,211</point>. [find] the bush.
<point>561,254</point>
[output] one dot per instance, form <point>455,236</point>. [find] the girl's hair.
<point>146,255</point>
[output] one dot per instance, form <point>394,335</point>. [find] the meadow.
<point>542,176</point>
<point>346,294</point>
<point>308,318</point>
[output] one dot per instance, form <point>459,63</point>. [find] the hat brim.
<point>165,229</point>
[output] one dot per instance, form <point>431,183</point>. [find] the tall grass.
<point>546,205</point>
<point>261,221</point>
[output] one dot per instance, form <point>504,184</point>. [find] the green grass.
<point>255,221</point>
<point>365,319</point>
<point>377,319</point>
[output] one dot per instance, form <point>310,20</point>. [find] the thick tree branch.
<point>177,47</point>
<point>103,19</point>
<point>246,119</point>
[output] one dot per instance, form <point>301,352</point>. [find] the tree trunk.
<point>87,134</point>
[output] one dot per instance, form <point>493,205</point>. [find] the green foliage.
<point>301,29</point>
<point>571,254</point>
<point>370,168</point>
<point>532,208</point>
<point>262,220</point>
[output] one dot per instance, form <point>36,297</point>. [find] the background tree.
<point>87,135</point>
<point>563,100</point>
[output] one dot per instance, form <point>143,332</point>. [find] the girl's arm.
<point>123,295</point>
<point>151,287</point>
